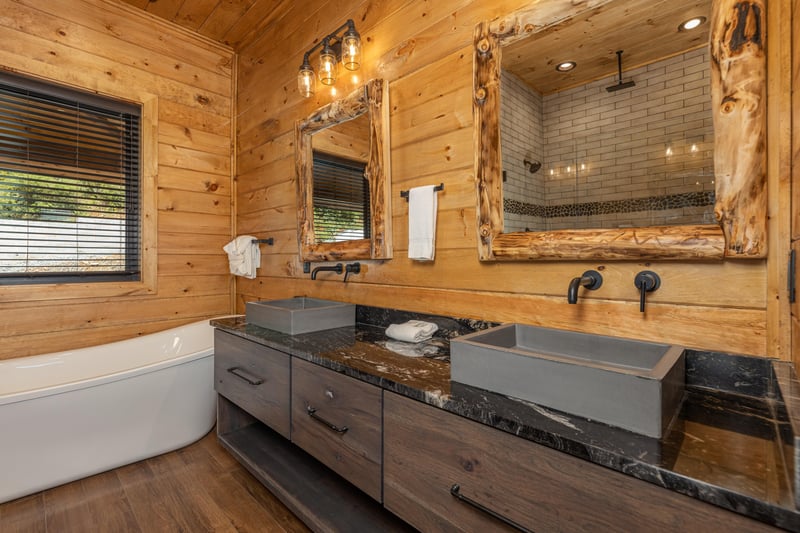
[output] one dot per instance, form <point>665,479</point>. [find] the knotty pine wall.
<point>122,52</point>
<point>424,50</point>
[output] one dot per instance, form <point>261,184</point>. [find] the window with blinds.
<point>341,199</point>
<point>69,185</point>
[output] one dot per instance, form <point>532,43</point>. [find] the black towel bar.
<point>404,194</point>
<point>269,241</point>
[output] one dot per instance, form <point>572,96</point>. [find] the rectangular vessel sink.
<point>630,384</point>
<point>300,315</point>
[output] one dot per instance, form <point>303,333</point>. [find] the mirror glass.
<point>584,148</point>
<point>343,186</point>
<point>622,164</point>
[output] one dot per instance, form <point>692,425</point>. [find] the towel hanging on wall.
<point>422,205</point>
<point>244,256</point>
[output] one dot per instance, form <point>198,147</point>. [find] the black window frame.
<point>127,118</point>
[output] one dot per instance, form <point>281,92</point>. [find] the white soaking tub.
<point>68,415</point>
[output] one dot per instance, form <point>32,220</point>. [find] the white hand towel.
<point>411,350</point>
<point>412,331</point>
<point>244,256</point>
<point>422,204</point>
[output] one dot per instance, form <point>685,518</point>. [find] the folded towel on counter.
<point>244,256</point>
<point>422,204</point>
<point>412,331</point>
<point>411,349</point>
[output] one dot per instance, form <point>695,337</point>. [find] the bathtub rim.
<point>101,379</point>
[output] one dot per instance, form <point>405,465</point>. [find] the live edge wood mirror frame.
<point>371,99</point>
<point>738,97</point>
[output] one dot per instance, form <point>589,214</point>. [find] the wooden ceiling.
<point>645,30</point>
<point>231,22</point>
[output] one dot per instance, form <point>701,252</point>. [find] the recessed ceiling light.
<point>566,66</point>
<point>691,24</point>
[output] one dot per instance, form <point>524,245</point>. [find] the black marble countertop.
<point>731,445</point>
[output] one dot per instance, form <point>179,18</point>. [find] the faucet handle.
<point>351,268</point>
<point>646,281</point>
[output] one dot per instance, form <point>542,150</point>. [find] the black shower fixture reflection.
<point>620,84</point>
<point>532,166</point>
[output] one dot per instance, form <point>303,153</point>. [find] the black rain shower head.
<point>620,84</point>
<point>533,166</point>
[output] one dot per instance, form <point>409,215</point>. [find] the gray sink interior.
<point>635,385</point>
<point>300,315</point>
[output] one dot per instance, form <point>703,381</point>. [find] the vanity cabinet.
<point>338,419</point>
<point>346,455</point>
<point>440,468</point>
<point>254,377</point>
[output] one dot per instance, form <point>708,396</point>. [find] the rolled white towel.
<point>412,331</point>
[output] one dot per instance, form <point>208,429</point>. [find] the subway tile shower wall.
<point>636,157</point>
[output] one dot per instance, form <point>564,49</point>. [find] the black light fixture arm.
<point>350,26</point>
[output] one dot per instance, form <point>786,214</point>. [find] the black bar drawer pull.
<point>245,375</point>
<point>455,490</point>
<point>313,414</point>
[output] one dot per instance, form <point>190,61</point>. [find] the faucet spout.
<point>572,292</point>
<point>336,268</point>
<point>591,279</point>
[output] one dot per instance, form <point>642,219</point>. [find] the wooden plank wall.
<point>795,173</point>
<point>424,50</point>
<point>121,51</point>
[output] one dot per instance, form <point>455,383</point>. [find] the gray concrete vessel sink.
<point>630,384</point>
<point>300,315</point>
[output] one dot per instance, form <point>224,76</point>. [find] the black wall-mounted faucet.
<point>591,279</point>
<point>646,281</point>
<point>336,268</point>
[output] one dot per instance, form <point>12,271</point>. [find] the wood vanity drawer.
<point>254,377</point>
<point>428,451</point>
<point>337,419</point>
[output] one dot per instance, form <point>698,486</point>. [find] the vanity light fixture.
<point>343,45</point>
<point>691,24</point>
<point>566,66</point>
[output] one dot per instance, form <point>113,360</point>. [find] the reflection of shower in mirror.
<point>532,166</point>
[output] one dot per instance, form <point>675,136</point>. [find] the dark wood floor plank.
<point>108,504</point>
<point>243,499</point>
<point>23,515</point>
<point>197,485</point>
<point>200,488</point>
<point>67,510</point>
<point>143,492</point>
<point>175,503</point>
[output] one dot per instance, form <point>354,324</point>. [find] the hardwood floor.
<point>195,489</point>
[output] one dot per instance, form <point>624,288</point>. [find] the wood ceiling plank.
<point>141,4</point>
<point>225,15</point>
<point>166,9</point>
<point>261,15</point>
<point>194,13</point>
<point>645,30</point>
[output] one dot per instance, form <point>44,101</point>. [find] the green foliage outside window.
<point>331,225</point>
<point>33,197</point>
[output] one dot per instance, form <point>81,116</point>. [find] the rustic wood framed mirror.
<point>736,107</point>
<point>349,140</point>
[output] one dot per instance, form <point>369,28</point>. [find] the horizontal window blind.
<point>69,185</point>
<point>341,199</point>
